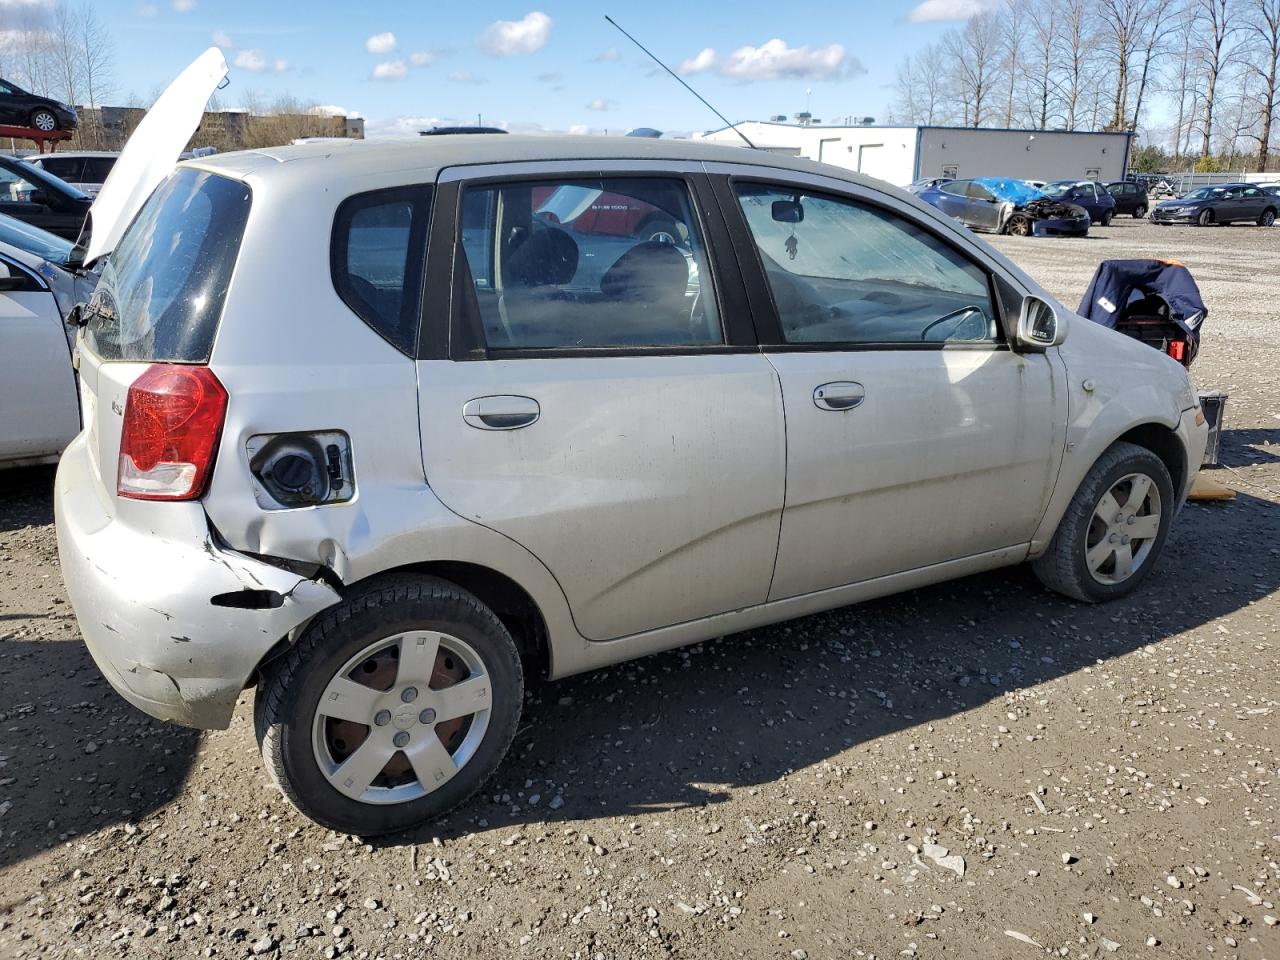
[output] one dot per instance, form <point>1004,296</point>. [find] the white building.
<point>902,154</point>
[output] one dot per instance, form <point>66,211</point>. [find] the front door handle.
<point>839,395</point>
<point>501,413</point>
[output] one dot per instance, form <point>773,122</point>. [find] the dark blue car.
<point>1093,196</point>
<point>1006,205</point>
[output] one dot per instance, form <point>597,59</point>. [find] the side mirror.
<point>1039,326</point>
<point>788,211</point>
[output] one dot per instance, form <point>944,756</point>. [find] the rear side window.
<point>377,257</point>
<point>161,293</point>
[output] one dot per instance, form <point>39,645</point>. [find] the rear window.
<point>161,293</point>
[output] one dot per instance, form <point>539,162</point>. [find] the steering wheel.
<point>924,334</point>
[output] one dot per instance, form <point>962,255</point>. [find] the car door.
<point>1252,202</point>
<point>984,211</point>
<point>11,112</point>
<point>915,436</point>
<point>953,200</point>
<point>600,401</point>
<point>39,408</point>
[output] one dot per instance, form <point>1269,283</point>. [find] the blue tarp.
<point>1017,192</point>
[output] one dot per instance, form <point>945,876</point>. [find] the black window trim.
<point>421,196</point>
<point>768,322</point>
<point>445,333</point>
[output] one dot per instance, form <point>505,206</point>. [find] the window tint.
<point>956,188</point>
<point>852,273</point>
<point>610,262</point>
<point>378,247</point>
<point>161,292</point>
<point>65,168</point>
<point>978,192</point>
<point>97,168</point>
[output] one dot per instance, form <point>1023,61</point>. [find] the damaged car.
<point>1006,205</point>
<point>368,434</point>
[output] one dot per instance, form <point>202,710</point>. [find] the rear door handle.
<point>501,413</point>
<point>838,395</point>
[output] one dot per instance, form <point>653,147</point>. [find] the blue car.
<point>1005,205</point>
<point>1093,196</point>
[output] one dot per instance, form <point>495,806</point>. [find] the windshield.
<point>161,293</point>
<point>34,240</point>
<point>1205,193</point>
<point>1059,188</point>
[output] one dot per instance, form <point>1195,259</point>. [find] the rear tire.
<point>1083,561</point>
<point>1139,212</point>
<point>377,667</point>
<point>44,120</point>
<point>1267,219</point>
<point>1106,217</point>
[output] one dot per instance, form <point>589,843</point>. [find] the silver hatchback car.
<point>377,427</point>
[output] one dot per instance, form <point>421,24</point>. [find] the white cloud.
<point>332,110</point>
<point>404,126</point>
<point>607,56</point>
<point>390,70</point>
<point>184,6</point>
<point>222,39</point>
<point>381,43</point>
<point>705,60</point>
<point>579,130</point>
<point>423,58</point>
<point>774,60</point>
<point>931,11</point>
<point>464,76</point>
<point>148,10</point>
<point>602,104</point>
<point>255,61</point>
<point>507,38</point>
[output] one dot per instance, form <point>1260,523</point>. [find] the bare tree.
<point>1264,27</point>
<point>972,57</point>
<point>1040,85</point>
<point>1013,35</point>
<point>919,88</point>
<point>1076,41</point>
<point>1217,21</point>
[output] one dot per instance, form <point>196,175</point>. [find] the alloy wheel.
<point>402,717</point>
<point>1123,529</point>
<point>44,121</point>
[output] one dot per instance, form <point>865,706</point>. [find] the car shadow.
<point>74,756</point>
<point>1246,448</point>
<point>689,727</point>
<point>26,497</point>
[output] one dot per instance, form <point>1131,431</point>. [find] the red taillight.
<point>172,420</point>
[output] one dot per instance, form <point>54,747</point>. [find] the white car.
<point>334,452</point>
<point>40,282</point>
<point>86,170</point>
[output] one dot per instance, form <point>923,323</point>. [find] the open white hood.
<point>153,149</point>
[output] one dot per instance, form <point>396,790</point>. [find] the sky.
<point>534,65</point>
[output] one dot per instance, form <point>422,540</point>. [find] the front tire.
<point>1114,529</point>
<point>1018,226</point>
<point>1205,219</point>
<point>1106,217</point>
<point>44,121</point>
<point>394,707</point>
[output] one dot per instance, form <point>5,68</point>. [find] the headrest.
<point>549,257</point>
<point>648,272</point>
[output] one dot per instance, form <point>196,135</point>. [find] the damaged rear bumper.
<point>142,578</point>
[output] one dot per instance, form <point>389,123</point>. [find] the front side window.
<point>377,254</point>
<point>956,188</point>
<point>593,262</point>
<point>843,272</point>
<point>978,192</point>
<point>15,189</point>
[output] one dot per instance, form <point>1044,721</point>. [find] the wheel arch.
<point>1164,443</point>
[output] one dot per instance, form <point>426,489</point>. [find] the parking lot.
<point>978,769</point>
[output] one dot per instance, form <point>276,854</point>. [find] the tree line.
<point>1210,66</point>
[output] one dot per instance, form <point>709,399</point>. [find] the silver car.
<point>335,453</point>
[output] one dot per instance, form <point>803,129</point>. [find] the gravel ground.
<point>979,769</point>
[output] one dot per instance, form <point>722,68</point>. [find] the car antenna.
<point>680,81</point>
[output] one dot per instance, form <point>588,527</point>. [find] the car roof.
<point>426,156</point>
<point>72,154</point>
